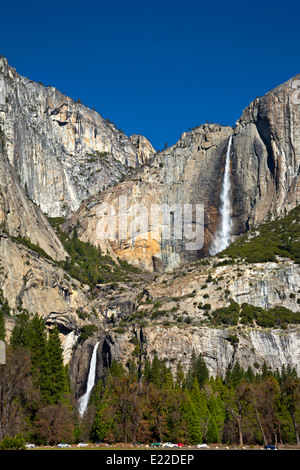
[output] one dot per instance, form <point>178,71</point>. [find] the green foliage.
<point>193,422</point>
<point>248,314</point>
<point>40,356</point>
<point>13,443</point>
<point>226,315</point>
<point>151,409</point>
<point>234,375</point>
<point>150,404</point>
<point>280,237</point>
<point>89,265</point>
<point>47,368</point>
<point>59,382</point>
<point>21,333</point>
<point>159,374</point>
<point>212,435</point>
<point>4,307</point>
<point>2,326</point>
<point>197,371</point>
<point>4,311</point>
<point>100,427</point>
<point>87,331</point>
<point>273,317</point>
<point>36,248</point>
<point>56,221</point>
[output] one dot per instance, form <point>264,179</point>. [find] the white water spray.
<point>222,237</point>
<point>83,401</point>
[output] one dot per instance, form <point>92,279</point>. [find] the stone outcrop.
<point>20,217</point>
<point>165,317</point>
<point>175,345</point>
<point>61,150</point>
<point>265,161</point>
<point>185,174</point>
<point>32,283</point>
<point>266,157</point>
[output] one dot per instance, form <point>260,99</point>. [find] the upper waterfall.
<point>223,235</point>
<point>83,401</point>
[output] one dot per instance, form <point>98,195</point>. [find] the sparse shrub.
<point>87,331</point>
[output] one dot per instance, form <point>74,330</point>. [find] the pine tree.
<point>179,376</point>
<point>2,326</point>
<point>116,369</point>
<point>212,435</point>
<point>234,375</point>
<point>197,369</point>
<point>166,377</point>
<point>132,369</point>
<point>201,371</point>
<point>147,371</point>
<point>199,401</point>
<point>265,371</point>
<point>217,412</point>
<point>155,372</point>
<point>250,375</point>
<point>193,423</point>
<point>100,426</point>
<point>21,333</point>
<point>57,374</point>
<point>40,357</point>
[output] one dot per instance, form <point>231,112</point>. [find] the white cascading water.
<point>83,401</point>
<point>222,237</point>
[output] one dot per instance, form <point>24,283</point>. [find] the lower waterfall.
<point>222,237</point>
<point>83,401</point>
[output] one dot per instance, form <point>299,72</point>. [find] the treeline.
<point>88,264</point>
<point>247,314</point>
<point>145,402</point>
<point>279,237</point>
<point>241,408</point>
<point>35,396</point>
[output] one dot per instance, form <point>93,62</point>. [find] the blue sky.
<point>155,67</point>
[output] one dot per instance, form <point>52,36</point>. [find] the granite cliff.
<point>265,162</point>
<point>59,158</point>
<point>61,150</point>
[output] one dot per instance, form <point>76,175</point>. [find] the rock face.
<point>265,161</point>
<point>29,281</point>
<point>176,344</point>
<point>166,317</point>
<point>185,175</point>
<point>57,155</point>
<point>19,216</point>
<point>61,151</point>
<point>266,157</point>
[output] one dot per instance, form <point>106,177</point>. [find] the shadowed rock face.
<point>266,157</point>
